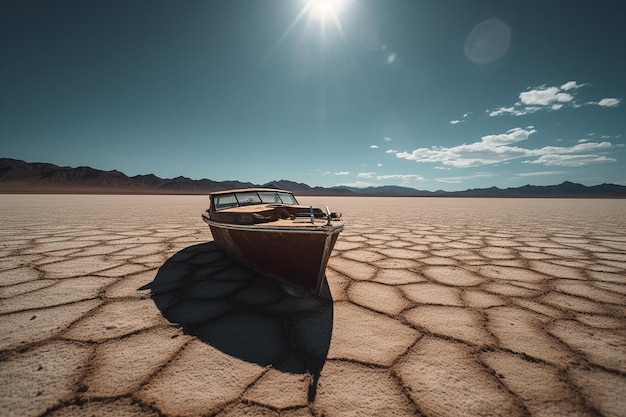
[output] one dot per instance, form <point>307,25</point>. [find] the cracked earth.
<point>123,306</point>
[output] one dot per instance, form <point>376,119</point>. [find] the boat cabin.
<point>258,205</point>
<point>240,198</point>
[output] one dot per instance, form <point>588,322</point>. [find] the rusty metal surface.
<point>297,258</point>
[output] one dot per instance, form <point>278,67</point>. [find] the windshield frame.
<point>251,198</point>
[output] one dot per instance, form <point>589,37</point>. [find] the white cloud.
<point>564,97</point>
<point>366,175</point>
<point>544,96</point>
<point>374,147</point>
<point>609,102</point>
<point>501,148</point>
<point>450,180</point>
<point>387,139</point>
<point>581,147</point>
<point>514,111</point>
<point>503,110</point>
<point>511,136</point>
<point>391,151</point>
<point>571,160</point>
<point>571,85</point>
<point>404,177</point>
<point>342,173</point>
<point>550,98</point>
<point>540,174</point>
<point>457,121</point>
<point>460,179</point>
<point>491,149</point>
<point>357,184</point>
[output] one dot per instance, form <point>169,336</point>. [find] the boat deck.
<point>276,215</point>
<point>300,222</point>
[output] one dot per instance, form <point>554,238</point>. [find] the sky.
<point>429,94</point>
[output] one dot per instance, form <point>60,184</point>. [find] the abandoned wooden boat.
<point>270,232</point>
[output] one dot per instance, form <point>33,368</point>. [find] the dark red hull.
<point>297,256</point>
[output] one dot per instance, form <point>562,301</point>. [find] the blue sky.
<point>430,94</point>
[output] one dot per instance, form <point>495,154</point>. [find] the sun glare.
<point>325,9</point>
<point>325,12</point>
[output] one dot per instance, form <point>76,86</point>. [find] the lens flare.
<point>488,42</point>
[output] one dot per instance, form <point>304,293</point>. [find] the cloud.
<point>571,85</point>
<point>581,147</point>
<point>391,151</point>
<point>504,110</point>
<point>374,147</point>
<point>609,102</point>
<point>357,184</point>
<point>504,147</point>
<point>514,111</point>
<point>544,97</point>
<point>342,173</point>
<point>404,177</point>
<point>511,136</point>
<point>366,175</point>
<point>387,139</point>
<point>460,179</point>
<point>540,174</point>
<point>457,121</point>
<point>491,149</point>
<point>549,98</point>
<point>571,160</point>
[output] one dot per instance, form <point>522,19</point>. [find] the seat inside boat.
<point>263,213</point>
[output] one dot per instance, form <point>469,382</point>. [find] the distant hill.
<point>25,177</point>
<point>394,190</point>
<point>22,177</point>
<point>565,189</point>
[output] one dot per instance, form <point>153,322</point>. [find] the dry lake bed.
<point>123,306</point>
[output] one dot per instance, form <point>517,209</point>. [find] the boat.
<point>268,231</point>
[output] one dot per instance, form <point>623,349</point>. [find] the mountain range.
<point>18,176</point>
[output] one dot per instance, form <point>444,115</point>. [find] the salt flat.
<point>123,306</point>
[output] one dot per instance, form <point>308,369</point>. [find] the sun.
<point>325,9</point>
<point>325,12</point>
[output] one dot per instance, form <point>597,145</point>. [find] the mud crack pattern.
<point>123,306</point>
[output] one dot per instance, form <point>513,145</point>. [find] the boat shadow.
<point>243,313</point>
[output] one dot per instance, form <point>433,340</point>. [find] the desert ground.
<point>123,306</point>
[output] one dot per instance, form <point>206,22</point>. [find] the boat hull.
<point>297,256</point>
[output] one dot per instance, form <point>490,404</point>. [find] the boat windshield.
<point>248,198</point>
<point>272,197</point>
